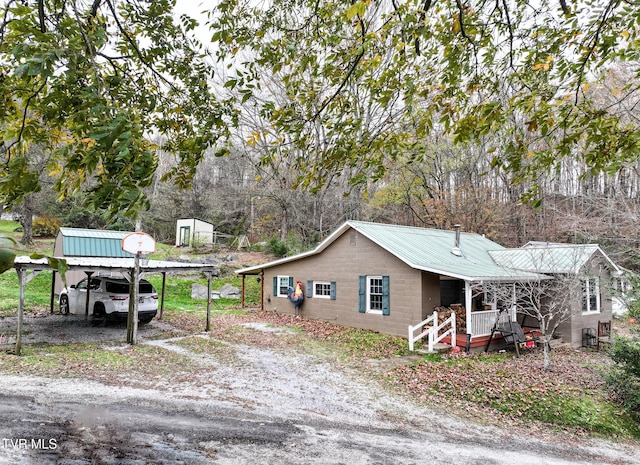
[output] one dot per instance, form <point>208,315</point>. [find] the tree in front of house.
<point>564,287</point>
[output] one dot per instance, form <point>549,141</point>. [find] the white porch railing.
<point>433,319</point>
<point>482,321</point>
<point>431,329</point>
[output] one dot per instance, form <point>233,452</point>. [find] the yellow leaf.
<point>540,66</point>
<point>529,155</point>
<point>89,141</point>
<point>57,170</point>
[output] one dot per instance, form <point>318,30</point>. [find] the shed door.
<point>185,236</point>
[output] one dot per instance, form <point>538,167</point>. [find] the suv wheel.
<point>99,311</point>
<point>64,304</point>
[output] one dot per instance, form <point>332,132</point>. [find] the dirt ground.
<point>254,404</point>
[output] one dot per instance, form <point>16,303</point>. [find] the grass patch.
<point>8,227</point>
<point>203,345</point>
<point>94,361</point>
<point>178,293</point>
<point>370,344</point>
<point>37,293</point>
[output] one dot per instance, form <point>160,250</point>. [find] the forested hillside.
<point>516,120</point>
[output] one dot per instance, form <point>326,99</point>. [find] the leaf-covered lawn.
<point>500,387</point>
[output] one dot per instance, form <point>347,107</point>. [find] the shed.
<point>89,243</point>
<point>190,231</point>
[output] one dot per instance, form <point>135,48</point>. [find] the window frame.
<point>315,293</point>
<point>280,280</point>
<point>590,291</point>
<point>369,294</point>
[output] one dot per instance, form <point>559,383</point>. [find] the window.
<point>374,295</point>
<point>590,295</point>
<point>322,289</point>
<point>281,285</point>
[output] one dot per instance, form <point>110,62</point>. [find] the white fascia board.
<point>319,248</point>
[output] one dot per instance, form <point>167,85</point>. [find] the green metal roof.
<point>433,250</point>
<point>429,250</point>
<point>542,257</point>
<point>93,243</point>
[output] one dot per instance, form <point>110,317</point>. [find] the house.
<point>94,243</point>
<point>386,278</point>
<point>190,231</point>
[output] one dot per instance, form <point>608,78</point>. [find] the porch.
<point>456,318</point>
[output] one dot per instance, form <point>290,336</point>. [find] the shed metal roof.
<point>428,250</point>
<point>77,242</point>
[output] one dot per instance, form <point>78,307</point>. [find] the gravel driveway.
<point>260,406</point>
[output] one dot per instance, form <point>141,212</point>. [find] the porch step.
<point>442,348</point>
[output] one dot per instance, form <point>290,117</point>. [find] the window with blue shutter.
<point>281,285</point>
<point>323,289</point>
<point>374,295</point>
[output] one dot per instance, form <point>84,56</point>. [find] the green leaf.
<point>7,259</point>
<point>357,9</point>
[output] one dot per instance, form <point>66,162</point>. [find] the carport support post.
<point>132,320</point>
<point>86,304</point>
<point>21,276</point>
<point>208,301</point>
<point>164,283</point>
<point>53,291</point>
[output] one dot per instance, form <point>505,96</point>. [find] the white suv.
<point>109,298</point>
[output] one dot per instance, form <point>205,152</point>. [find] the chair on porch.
<point>604,333</point>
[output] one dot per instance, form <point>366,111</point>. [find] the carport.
<point>27,268</point>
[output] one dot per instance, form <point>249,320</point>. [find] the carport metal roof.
<point>112,264</point>
<point>24,264</point>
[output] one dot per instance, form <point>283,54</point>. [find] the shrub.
<point>277,247</point>
<point>624,377</point>
<point>45,226</point>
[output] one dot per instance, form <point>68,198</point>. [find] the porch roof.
<point>552,258</point>
<point>430,250</point>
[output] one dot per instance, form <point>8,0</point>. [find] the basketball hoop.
<point>138,243</point>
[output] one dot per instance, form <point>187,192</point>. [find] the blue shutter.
<point>333,290</point>
<point>362,294</point>
<point>386,308</point>
<point>275,286</point>
<point>309,289</point>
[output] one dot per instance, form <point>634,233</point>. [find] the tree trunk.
<point>545,351</point>
<point>283,226</point>
<point>27,221</point>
